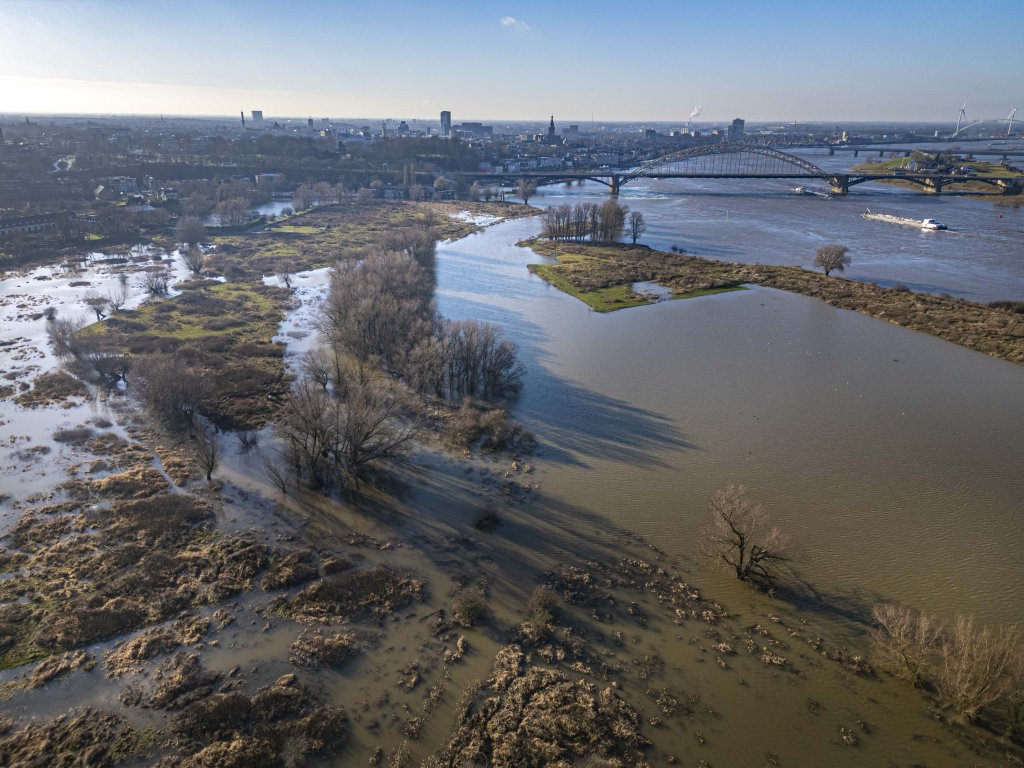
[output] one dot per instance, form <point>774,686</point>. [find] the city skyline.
<point>515,61</point>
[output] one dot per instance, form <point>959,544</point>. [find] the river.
<point>892,458</point>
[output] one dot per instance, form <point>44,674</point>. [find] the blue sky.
<point>654,60</point>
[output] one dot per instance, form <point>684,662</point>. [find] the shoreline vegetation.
<point>602,276</point>
<point>205,623</point>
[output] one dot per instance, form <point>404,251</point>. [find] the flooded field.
<point>406,617</point>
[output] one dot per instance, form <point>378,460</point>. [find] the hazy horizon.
<point>655,61</point>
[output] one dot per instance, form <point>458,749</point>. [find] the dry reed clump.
<point>130,656</point>
<point>74,435</point>
<point>370,592</point>
<point>279,722</point>
<point>316,649</point>
<point>85,738</point>
<point>57,388</point>
<point>290,570</point>
<point>539,618</point>
<point>47,670</point>
<point>532,715</point>
<point>107,572</point>
<point>135,483</point>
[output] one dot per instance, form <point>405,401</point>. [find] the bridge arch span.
<point>728,159</point>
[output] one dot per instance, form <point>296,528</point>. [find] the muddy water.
<point>891,457</point>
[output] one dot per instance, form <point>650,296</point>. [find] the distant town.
<point>72,176</point>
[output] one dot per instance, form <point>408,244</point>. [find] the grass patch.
<point>299,229</point>
<point>595,274</point>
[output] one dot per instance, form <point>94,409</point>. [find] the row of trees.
<point>588,221</point>
<point>352,405</point>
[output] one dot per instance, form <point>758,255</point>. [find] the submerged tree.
<point>832,257</point>
<point>637,225</point>
<point>743,539</point>
<point>525,189</point>
<point>905,641</point>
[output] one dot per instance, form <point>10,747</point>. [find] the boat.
<point>816,193</point>
<point>927,224</point>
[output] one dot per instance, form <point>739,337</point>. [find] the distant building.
<point>309,123</point>
<point>28,225</point>
<point>446,123</point>
<point>735,133</point>
<point>475,130</point>
<point>257,118</point>
<point>573,132</point>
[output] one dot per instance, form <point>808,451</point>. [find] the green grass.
<point>600,300</point>
<point>297,229</point>
<point>591,273</point>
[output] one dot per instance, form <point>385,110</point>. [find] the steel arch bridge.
<point>723,161</point>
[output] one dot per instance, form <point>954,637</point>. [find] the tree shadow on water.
<point>575,423</point>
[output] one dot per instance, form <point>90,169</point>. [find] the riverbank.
<point>603,276</point>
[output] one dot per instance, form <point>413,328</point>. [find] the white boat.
<point>928,224</point>
<point>816,193</point>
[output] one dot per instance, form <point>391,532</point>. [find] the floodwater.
<point>892,458</point>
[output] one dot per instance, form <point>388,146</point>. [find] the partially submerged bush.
<point>469,607</point>
<point>317,649</point>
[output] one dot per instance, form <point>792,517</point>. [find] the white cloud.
<point>512,21</point>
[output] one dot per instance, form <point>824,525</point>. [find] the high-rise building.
<point>736,131</point>
<point>446,123</point>
<point>257,118</point>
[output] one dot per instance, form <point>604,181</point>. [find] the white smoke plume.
<point>696,112</point>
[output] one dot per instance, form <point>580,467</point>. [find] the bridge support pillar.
<point>856,152</point>
<point>840,185</point>
<point>932,186</point>
<point>831,151</point>
<point>616,183</point>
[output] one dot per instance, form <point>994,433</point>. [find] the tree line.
<point>603,223</point>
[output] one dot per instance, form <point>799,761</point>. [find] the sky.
<point>643,60</point>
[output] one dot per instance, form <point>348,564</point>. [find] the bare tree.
<point>525,189</point>
<point>637,225</point>
<point>189,231</point>
<point>743,539</point>
<point>832,257</point>
<point>63,335</point>
<point>193,258</point>
<point>206,450</point>
<point>905,641</point>
<point>155,281</point>
<point>232,212</point>
<point>119,296</point>
<point>1015,691</point>
<point>169,389</point>
<point>372,428</point>
<point>972,674</point>
<point>285,273</point>
<point>97,303</point>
